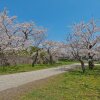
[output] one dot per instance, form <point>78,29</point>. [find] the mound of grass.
<point>73,85</point>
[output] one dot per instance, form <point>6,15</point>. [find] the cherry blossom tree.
<point>38,37</point>
<point>8,38</point>
<point>90,39</point>
<point>16,36</point>
<point>53,49</point>
<point>85,40</point>
<point>76,49</point>
<point>33,36</point>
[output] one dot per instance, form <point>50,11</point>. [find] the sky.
<point>55,15</point>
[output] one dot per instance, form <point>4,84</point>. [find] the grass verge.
<point>27,67</point>
<point>68,86</point>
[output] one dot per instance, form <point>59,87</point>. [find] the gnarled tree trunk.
<point>35,58</point>
<point>82,65</point>
<point>50,57</point>
<point>90,61</point>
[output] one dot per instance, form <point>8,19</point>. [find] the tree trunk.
<point>90,62</point>
<point>50,57</point>
<point>35,59</point>
<point>82,65</point>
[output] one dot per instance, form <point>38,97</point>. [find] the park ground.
<point>73,85</point>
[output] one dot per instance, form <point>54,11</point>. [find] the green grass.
<point>73,85</point>
<point>27,67</point>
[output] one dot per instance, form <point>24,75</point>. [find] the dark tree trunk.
<point>82,65</point>
<point>50,57</point>
<point>35,59</point>
<point>90,62</point>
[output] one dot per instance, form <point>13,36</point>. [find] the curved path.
<point>15,80</point>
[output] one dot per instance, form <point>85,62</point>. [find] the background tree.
<point>53,50</point>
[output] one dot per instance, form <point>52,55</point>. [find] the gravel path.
<point>18,79</point>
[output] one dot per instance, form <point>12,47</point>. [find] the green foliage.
<point>67,60</point>
<point>33,49</point>
<point>68,86</point>
<point>42,54</point>
<point>23,53</point>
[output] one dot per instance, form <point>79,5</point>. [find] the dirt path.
<point>15,80</point>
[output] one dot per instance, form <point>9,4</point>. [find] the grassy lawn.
<point>68,86</point>
<point>27,67</point>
